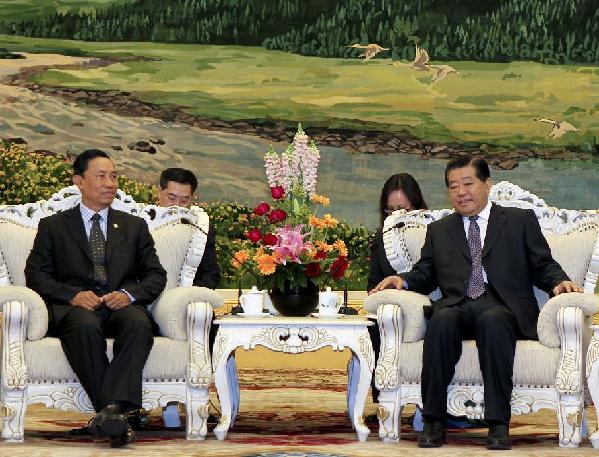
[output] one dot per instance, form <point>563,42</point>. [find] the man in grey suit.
<point>485,259</point>
<point>97,270</point>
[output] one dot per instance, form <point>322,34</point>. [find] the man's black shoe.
<point>499,438</point>
<point>110,423</point>
<point>432,435</point>
<point>138,419</point>
<point>125,438</point>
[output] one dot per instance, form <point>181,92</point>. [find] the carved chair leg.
<point>13,411</point>
<point>197,409</point>
<point>389,415</point>
<point>569,416</point>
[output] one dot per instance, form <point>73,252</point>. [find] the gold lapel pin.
<point>115,225</point>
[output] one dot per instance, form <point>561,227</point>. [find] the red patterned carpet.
<point>284,412</point>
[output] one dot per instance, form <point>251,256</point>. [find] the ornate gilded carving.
<point>293,339</point>
<point>592,354</point>
<point>71,398</point>
<point>568,380</point>
<point>365,345</point>
<point>220,345</point>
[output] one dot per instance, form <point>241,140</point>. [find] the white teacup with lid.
<point>252,302</point>
<point>329,302</point>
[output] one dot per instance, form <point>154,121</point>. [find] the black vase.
<point>295,300</point>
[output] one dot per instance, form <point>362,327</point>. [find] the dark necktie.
<point>476,284</point>
<point>97,243</point>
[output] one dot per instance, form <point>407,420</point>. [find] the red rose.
<point>277,215</point>
<point>262,209</point>
<point>254,235</point>
<point>277,192</point>
<point>270,239</point>
<point>320,255</point>
<point>338,267</point>
<point>313,269</point>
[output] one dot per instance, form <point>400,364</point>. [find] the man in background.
<point>177,186</point>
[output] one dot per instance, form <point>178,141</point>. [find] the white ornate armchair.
<point>34,367</point>
<point>548,373</point>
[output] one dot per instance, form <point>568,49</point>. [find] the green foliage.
<point>27,177</point>
<point>548,31</point>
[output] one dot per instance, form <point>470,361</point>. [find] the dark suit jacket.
<point>380,267</point>
<point>515,256</point>
<point>60,263</point>
<point>208,272</point>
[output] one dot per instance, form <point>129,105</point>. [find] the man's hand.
<point>116,300</point>
<point>565,287</point>
<point>390,282</point>
<point>86,300</point>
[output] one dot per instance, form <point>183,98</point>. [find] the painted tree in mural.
<point>548,31</point>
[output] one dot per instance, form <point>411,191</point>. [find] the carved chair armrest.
<point>36,319</point>
<point>548,323</point>
<point>170,311</point>
<point>411,319</point>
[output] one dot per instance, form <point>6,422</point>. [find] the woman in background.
<point>401,191</point>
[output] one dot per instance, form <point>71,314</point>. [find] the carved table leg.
<point>229,399</point>
<point>361,374</point>
<point>593,377</point>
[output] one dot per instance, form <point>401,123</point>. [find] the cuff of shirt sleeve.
<point>405,283</point>
<point>131,297</point>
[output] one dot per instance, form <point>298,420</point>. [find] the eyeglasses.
<point>390,209</point>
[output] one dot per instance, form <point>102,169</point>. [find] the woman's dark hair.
<point>408,185</point>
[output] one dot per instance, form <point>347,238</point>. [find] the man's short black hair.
<point>81,162</point>
<point>178,175</point>
<point>480,165</point>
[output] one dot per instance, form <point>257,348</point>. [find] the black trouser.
<point>375,337</point>
<point>83,336</point>
<point>493,326</point>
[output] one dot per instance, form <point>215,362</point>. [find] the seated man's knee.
<point>137,320</point>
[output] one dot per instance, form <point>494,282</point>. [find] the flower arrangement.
<point>285,240</point>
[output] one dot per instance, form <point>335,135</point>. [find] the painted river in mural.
<point>230,166</point>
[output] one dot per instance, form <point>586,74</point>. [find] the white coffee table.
<point>292,335</point>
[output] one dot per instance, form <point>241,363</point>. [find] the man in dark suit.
<point>97,270</point>
<point>177,186</point>
<point>485,259</point>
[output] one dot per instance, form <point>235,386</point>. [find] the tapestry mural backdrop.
<point>381,86</point>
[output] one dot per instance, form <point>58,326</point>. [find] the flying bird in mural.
<point>443,71</point>
<point>560,128</point>
<point>370,50</point>
<point>421,60</point>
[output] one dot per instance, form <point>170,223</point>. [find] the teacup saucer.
<point>325,316</point>
<point>253,315</point>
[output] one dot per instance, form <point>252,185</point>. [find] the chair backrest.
<point>572,235</point>
<point>180,246</point>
